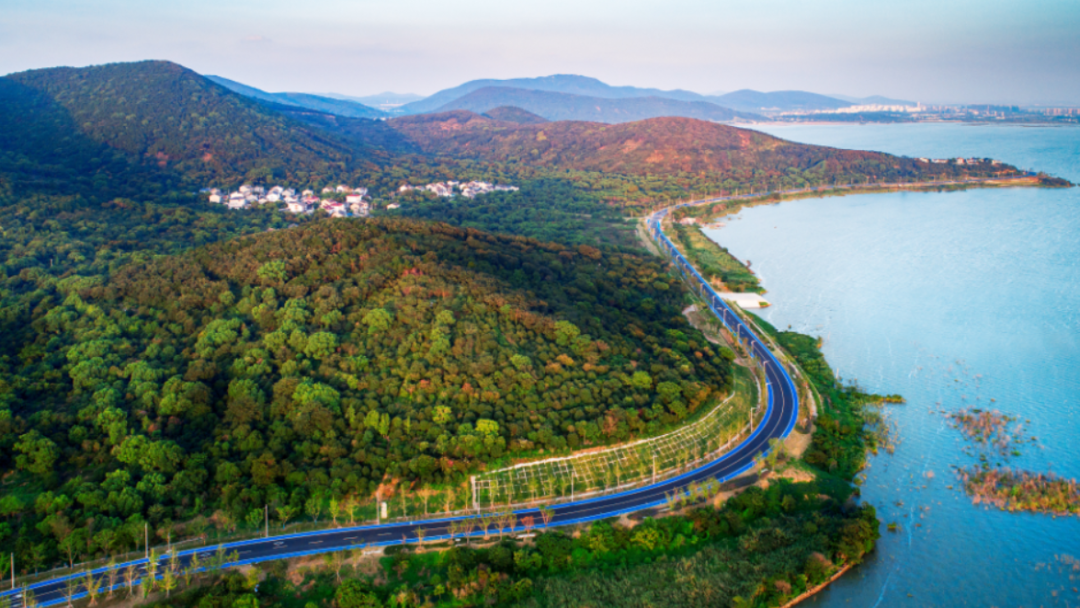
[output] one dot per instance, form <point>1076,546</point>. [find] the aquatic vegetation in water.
<point>990,429</point>
<point>1022,490</point>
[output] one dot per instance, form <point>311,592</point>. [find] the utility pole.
<point>654,467</point>
<point>13,570</point>
<point>266,518</point>
<point>146,538</point>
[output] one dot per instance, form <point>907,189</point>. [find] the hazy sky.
<point>924,50</point>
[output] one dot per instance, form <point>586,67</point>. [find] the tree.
<point>485,523</point>
<point>565,331</point>
<point>71,587</point>
<point>130,576</point>
<point>528,522</point>
<point>113,573</point>
<point>320,345</point>
<point>152,568</point>
<point>547,513</point>
<point>38,453</point>
<point>192,570</point>
<point>507,520</point>
<point>272,273</point>
<point>420,533</point>
<point>337,560</point>
<point>377,320</point>
<point>443,414</point>
<point>487,427</point>
<point>255,518</point>
<point>168,582</point>
<point>467,526</point>
<point>355,594</point>
<point>5,565</point>
<point>335,510</point>
<point>284,514</point>
<point>641,380</point>
<point>314,507</point>
<point>92,584</point>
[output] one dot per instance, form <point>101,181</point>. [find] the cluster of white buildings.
<point>959,161</point>
<point>303,202</point>
<point>466,189</point>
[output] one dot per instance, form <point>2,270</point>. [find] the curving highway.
<point>779,419</point>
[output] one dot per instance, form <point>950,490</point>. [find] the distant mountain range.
<point>334,105</point>
<point>566,106</point>
<point>559,83</point>
<point>567,97</point>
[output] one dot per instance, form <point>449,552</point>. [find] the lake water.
<point>950,299</point>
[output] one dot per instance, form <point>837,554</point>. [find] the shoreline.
<point>805,595</point>
<point>835,123</point>
<point>771,198</point>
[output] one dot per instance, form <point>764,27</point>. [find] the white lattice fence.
<point>619,467</point>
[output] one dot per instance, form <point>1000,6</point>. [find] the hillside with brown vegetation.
<point>657,146</point>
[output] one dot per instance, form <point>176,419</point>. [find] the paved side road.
<point>779,419</point>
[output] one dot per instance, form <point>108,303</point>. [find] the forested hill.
<point>515,114</point>
<point>321,361</point>
<point>162,117</point>
<point>660,146</point>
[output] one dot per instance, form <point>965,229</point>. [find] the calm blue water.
<point>951,298</point>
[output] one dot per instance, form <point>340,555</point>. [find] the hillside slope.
<point>159,114</point>
<point>566,106</point>
<point>656,146</point>
<point>516,115</point>
<point>322,361</point>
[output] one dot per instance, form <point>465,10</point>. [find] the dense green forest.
<point>318,362</point>
<point>760,548</point>
<point>548,209</point>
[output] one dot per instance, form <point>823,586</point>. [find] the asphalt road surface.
<point>778,421</point>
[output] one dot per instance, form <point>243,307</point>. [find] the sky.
<point>932,51</point>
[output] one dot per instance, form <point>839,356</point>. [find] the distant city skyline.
<point>926,51</point>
